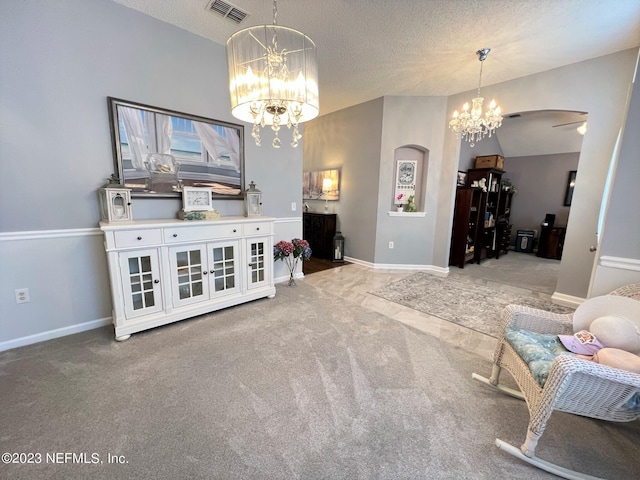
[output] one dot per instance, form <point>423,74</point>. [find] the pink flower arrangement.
<point>399,198</point>
<point>291,252</point>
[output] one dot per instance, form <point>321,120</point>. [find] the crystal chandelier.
<point>472,125</point>
<point>273,78</point>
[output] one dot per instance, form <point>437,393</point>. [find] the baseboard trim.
<point>566,300</point>
<point>51,334</point>
<point>440,271</point>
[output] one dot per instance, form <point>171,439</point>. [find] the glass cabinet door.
<point>189,274</point>
<point>223,268</point>
<point>140,273</point>
<point>259,256</point>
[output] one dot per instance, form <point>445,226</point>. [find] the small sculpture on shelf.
<point>411,204</point>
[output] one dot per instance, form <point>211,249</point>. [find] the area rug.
<point>469,304</point>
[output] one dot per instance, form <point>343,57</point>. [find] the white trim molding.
<point>619,262</point>
<point>443,272</point>
<point>408,214</point>
<point>40,234</point>
<point>51,334</point>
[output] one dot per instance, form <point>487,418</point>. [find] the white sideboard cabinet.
<point>169,270</point>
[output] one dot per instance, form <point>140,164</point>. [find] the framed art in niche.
<point>157,151</point>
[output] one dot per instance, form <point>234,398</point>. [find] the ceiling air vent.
<point>227,10</point>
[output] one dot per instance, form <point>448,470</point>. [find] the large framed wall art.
<point>157,152</point>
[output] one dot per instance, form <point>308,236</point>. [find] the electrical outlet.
<point>294,207</point>
<point>390,244</point>
<point>22,295</point>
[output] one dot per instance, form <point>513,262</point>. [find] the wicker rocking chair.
<point>573,385</point>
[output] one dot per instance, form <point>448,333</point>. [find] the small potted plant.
<point>399,198</point>
<point>507,185</point>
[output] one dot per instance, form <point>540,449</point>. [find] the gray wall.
<point>598,87</point>
<point>541,182</point>
<point>619,249</point>
<point>349,139</point>
<point>362,141</point>
<point>60,61</point>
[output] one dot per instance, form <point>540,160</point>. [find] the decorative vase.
<point>292,271</point>
<point>400,208</point>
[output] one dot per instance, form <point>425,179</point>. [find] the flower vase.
<point>399,207</point>
<point>292,271</point>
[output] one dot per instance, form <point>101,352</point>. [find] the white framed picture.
<point>405,179</point>
<point>196,199</point>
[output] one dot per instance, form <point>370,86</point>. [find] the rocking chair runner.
<point>573,385</point>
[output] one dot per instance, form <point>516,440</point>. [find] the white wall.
<point>60,61</point>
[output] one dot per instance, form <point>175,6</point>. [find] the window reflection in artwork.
<point>158,151</point>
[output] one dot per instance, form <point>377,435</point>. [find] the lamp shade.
<point>273,75</point>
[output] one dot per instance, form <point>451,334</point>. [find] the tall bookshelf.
<point>487,240</point>
<point>467,222</point>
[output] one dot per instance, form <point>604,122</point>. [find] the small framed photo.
<point>462,179</point>
<point>196,199</point>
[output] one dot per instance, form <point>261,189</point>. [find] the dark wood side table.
<point>319,229</point>
<point>551,242</point>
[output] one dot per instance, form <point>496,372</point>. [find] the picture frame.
<point>313,182</point>
<point>197,199</point>
<point>157,152</point>
<point>462,179</point>
<point>406,178</point>
<point>571,181</point>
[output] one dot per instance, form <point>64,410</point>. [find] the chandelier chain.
<point>275,12</point>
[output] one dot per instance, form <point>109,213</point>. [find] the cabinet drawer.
<point>257,228</point>
<point>138,238</point>
<point>205,232</point>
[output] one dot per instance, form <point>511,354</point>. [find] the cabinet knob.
<point>139,238</point>
<point>257,228</point>
<point>234,230</point>
<point>252,264</point>
<point>175,235</point>
<point>205,272</point>
<point>211,272</point>
<point>156,281</point>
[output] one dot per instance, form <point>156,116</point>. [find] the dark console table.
<point>319,229</point>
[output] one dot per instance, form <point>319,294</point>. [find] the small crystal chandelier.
<point>273,78</point>
<point>472,125</point>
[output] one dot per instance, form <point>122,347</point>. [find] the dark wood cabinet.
<point>319,229</point>
<point>481,225</point>
<point>503,225</point>
<point>467,222</point>
<point>551,242</point>
<point>487,238</point>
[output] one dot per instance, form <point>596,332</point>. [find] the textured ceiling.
<point>371,48</point>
